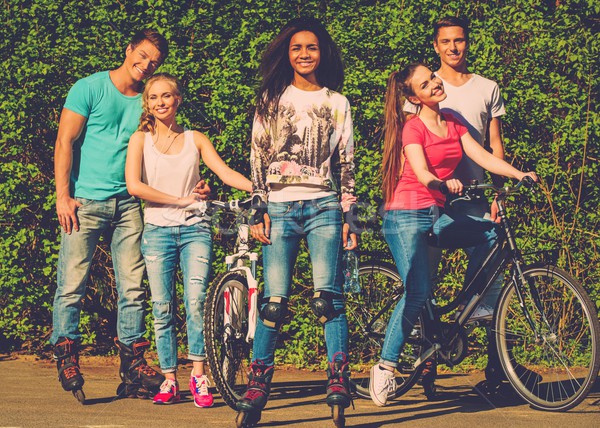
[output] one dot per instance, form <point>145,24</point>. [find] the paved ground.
<point>32,397</point>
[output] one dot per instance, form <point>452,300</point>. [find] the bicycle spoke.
<point>368,314</point>
<point>554,367</point>
<point>226,321</point>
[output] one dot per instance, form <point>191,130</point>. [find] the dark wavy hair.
<point>276,72</point>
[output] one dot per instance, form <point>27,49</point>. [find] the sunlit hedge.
<point>544,55</point>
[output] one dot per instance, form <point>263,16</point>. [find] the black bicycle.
<point>545,325</point>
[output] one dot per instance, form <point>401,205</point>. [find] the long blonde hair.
<point>398,89</point>
<point>147,120</point>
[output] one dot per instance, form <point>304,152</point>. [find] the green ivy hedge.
<point>542,53</point>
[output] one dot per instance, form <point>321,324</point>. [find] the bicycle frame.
<point>502,254</point>
<point>235,262</point>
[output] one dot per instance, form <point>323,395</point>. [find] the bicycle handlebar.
<point>527,182</point>
<point>469,189</point>
<point>233,205</point>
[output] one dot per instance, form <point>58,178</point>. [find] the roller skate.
<point>428,377</point>
<point>138,379</point>
<point>338,388</point>
<point>67,363</point>
<point>255,398</point>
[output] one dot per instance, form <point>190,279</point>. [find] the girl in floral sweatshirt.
<point>301,162</point>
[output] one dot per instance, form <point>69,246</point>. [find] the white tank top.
<point>172,174</point>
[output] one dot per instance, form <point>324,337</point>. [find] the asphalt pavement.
<point>32,397</point>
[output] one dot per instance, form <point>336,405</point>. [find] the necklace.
<point>170,135</point>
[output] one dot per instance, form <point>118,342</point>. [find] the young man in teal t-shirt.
<point>100,114</point>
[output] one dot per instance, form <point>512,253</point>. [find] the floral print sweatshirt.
<point>309,142</point>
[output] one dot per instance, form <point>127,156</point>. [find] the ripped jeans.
<point>163,247</point>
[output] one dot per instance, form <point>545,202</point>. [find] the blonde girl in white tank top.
<point>162,168</point>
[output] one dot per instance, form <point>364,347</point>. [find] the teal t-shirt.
<point>98,170</point>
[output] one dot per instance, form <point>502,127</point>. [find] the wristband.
<point>351,219</point>
<point>258,209</point>
<point>443,188</point>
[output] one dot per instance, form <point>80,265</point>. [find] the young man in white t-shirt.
<point>473,99</point>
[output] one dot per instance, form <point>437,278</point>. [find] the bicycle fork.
<point>233,296</point>
<point>520,283</point>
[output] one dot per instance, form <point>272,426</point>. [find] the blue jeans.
<point>406,232</point>
<point>163,249</point>
<point>320,221</point>
<point>481,209</point>
<point>121,218</point>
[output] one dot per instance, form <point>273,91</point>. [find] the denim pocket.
<point>328,203</point>
<point>148,227</point>
<point>203,226</point>
<point>84,202</point>
<point>279,209</point>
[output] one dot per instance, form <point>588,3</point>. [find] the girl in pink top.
<point>419,159</point>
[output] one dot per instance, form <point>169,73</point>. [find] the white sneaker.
<point>382,385</point>
<point>482,313</point>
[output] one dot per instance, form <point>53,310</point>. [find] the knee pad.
<point>273,313</point>
<point>322,306</point>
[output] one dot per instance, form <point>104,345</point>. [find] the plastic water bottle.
<point>351,283</point>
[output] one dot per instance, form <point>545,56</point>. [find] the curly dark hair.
<point>277,73</point>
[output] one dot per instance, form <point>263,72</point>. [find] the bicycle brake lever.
<point>200,208</point>
<point>465,198</point>
<point>528,183</point>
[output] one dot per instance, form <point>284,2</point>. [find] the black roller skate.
<point>139,379</point>
<point>338,389</point>
<point>428,377</point>
<point>67,363</point>
<point>255,398</point>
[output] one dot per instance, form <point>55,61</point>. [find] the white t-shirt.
<point>474,103</point>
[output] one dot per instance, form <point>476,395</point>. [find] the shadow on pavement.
<point>448,400</point>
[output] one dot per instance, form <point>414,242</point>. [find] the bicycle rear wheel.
<point>553,367</point>
<point>226,326</point>
<point>368,315</point>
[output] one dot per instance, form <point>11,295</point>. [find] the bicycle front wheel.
<point>368,315</point>
<point>554,365</point>
<point>226,326</point>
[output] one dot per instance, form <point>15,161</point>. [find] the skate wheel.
<point>247,419</point>
<point>78,393</point>
<point>430,391</point>
<point>121,390</point>
<point>337,414</point>
<point>144,393</point>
